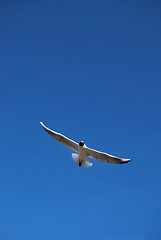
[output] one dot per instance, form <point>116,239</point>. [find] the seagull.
<point>83,152</point>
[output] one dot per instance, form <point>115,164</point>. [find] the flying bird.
<point>83,152</point>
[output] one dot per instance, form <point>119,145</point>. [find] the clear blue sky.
<point>92,71</point>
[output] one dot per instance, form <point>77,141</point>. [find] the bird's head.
<point>81,143</point>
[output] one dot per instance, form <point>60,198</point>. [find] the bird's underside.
<point>83,152</point>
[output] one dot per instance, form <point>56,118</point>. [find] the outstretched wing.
<point>62,139</point>
<point>104,157</point>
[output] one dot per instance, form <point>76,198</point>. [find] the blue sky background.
<point>92,71</point>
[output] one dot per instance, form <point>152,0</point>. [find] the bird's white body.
<point>83,152</point>
<point>82,157</point>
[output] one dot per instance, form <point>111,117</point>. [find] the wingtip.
<point>42,124</point>
<point>126,161</point>
<point>129,160</point>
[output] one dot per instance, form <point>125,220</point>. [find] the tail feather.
<point>75,158</point>
<point>85,164</point>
